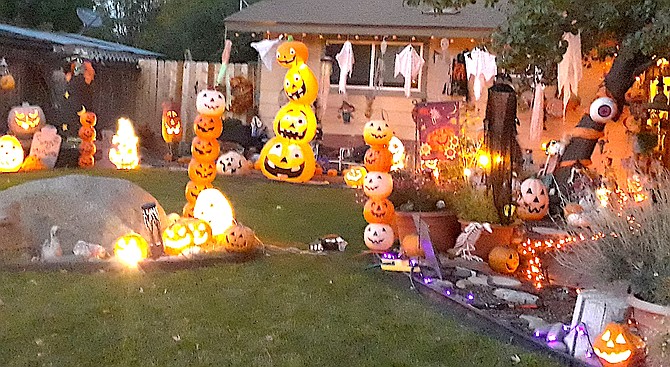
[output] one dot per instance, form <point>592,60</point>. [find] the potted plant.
<point>415,194</point>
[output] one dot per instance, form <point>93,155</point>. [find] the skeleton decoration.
<point>330,242</point>
<point>465,243</point>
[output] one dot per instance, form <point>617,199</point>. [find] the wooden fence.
<point>180,81</point>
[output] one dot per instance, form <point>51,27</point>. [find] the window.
<point>367,57</point>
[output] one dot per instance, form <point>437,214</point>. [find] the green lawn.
<point>279,310</point>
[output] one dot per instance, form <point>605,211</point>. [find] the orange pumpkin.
<point>202,172</point>
<point>87,133</point>
<point>616,346</point>
<point>202,232</point>
<point>87,148</point>
<point>239,238</point>
<point>208,127</point>
<point>7,82</point>
<point>172,129</point>
<point>87,118</point>
<point>32,163</point>
<point>379,211</point>
<point>504,259</point>
<point>187,211</point>
<point>292,53</point>
<point>378,158</point>
<point>205,150</point>
<point>318,170</point>
<point>86,161</point>
<point>332,172</point>
<point>193,189</point>
<point>131,248</point>
<point>377,133</point>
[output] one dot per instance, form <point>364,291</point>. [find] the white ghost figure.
<point>214,208</point>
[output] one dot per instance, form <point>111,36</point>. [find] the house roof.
<point>76,45</point>
<point>364,17</point>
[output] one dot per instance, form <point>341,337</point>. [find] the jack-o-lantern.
<point>616,346</point>
<point>202,232</point>
<point>292,53</point>
<point>355,176</point>
<point>208,127</point>
<point>378,158</point>
<point>397,149</point>
<point>296,122</point>
<point>378,236</point>
<point>87,118</point>
<point>131,248</point>
<point>193,189</point>
<point>172,129</point>
<point>87,148</point>
<point>504,259</point>
<point>411,246</point>
<point>534,201</point>
<point>210,103</point>
<point>238,238</point>
<point>214,208</point>
<point>7,82</point>
<point>11,154</point>
<point>86,161</point>
<point>204,150</point>
<point>87,133</point>
<point>187,211</point>
<point>378,185</point>
<point>125,146</point>
<point>332,172</point>
<point>301,85</point>
<point>232,163</point>
<point>176,238</point>
<point>287,161</point>
<point>25,120</point>
<point>32,163</point>
<point>203,172</point>
<point>379,211</point>
<point>377,133</point>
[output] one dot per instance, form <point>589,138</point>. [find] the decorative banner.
<point>438,126</point>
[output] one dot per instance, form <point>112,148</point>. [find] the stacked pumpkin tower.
<point>87,134</point>
<point>288,156</point>
<point>205,148</point>
<point>378,185</point>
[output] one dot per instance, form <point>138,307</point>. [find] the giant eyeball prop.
<point>378,236</point>
<point>603,110</point>
<point>378,185</point>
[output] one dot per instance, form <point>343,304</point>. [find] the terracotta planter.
<point>501,236</point>
<point>443,227</point>
<point>653,322</point>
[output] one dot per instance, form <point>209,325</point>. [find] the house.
<point>324,25</point>
<point>39,61</point>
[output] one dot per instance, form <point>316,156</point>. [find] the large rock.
<point>92,209</point>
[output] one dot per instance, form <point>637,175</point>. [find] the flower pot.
<point>443,227</point>
<point>653,322</point>
<point>501,236</point>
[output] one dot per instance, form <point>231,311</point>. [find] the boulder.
<point>85,208</point>
<point>516,297</point>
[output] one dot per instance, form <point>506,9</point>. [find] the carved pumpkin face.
<point>287,161</point>
<point>204,149</point>
<point>295,122</point>
<point>232,163</point>
<point>377,133</point>
<point>87,118</point>
<point>214,208</point>
<point>131,249</point>
<point>292,53</point>
<point>11,154</point>
<point>355,176</point>
<point>32,163</point>
<point>378,185</point>
<point>239,238</point>
<point>172,130</point>
<point>7,82</point>
<point>25,119</point>
<point>176,238</point>
<point>125,146</point>
<point>208,127</point>
<point>397,149</point>
<point>86,161</point>
<point>210,103</point>
<point>504,259</point>
<point>87,133</point>
<point>534,201</point>
<point>187,211</point>
<point>193,189</point>
<point>379,211</point>
<point>87,148</point>
<point>378,237</point>
<point>203,172</point>
<point>301,85</point>
<point>378,158</point>
<point>201,230</point>
<point>616,346</point>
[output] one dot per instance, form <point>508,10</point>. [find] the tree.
<point>126,20</point>
<point>58,15</point>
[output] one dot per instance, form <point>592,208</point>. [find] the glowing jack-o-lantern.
<point>295,122</point>
<point>616,346</point>
<point>172,129</point>
<point>204,150</point>
<point>378,185</point>
<point>176,238</point>
<point>238,238</point>
<point>289,161</point>
<point>124,151</point>
<point>214,208</point>
<point>25,119</point>
<point>131,248</point>
<point>377,133</point>
<point>208,127</point>
<point>378,236</point>
<point>397,149</point>
<point>355,176</point>
<point>504,259</point>
<point>202,232</point>
<point>301,85</point>
<point>210,103</point>
<point>379,211</point>
<point>7,82</point>
<point>11,154</point>
<point>292,53</point>
<point>193,189</point>
<point>203,172</point>
<point>378,158</point>
<point>534,201</point>
<point>87,118</point>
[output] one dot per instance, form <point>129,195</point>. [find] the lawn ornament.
<point>504,259</point>
<point>204,150</point>
<point>378,236</point>
<point>377,133</point>
<point>202,232</point>
<point>465,243</point>
<point>201,172</point>
<point>25,120</point>
<point>87,148</point>
<point>51,249</point>
<point>616,346</point>
<point>46,145</point>
<point>232,163</point>
<point>289,161</point>
<point>292,53</point>
<point>86,161</point>
<point>32,163</point>
<point>239,238</point>
<point>295,122</point>
<point>378,185</point>
<point>87,118</point>
<point>301,85</point>
<point>603,110</point>
<point>193,189</point>
<point>355,176</point>
<point>329,242</point>
<point>210,103</point>
<point>534,201</point>
<point>131,248</point>
<point>214,208</point>
<point>208,127</point>
<point>125,146</point>
<point>379,211</point>
<point>187,210</point>
<point>172,129</point>
<point>6,79</point>
<point>176,238</point>
<point>87,134</point>
<point>89,251</point>
<point>11,154</point>
<point>378,158</point>
<point>397,149</point>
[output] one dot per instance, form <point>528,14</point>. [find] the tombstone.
<point>46,145</point>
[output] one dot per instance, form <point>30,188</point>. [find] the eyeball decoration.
<point>378,236</point>
<point>210,103</point>
<point>603,110</point>
<point>378,185</point>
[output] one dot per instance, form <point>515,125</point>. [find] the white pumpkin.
<point>378,236</point>
<point>378,185</point>
<point>232,163</point>
<point>533,204</point>
<point>210,103</point>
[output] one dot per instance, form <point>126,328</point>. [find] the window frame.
<point>418,46</point>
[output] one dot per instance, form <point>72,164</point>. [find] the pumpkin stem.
<point>83,111</point>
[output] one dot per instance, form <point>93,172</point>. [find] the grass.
<point>280,310</point>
